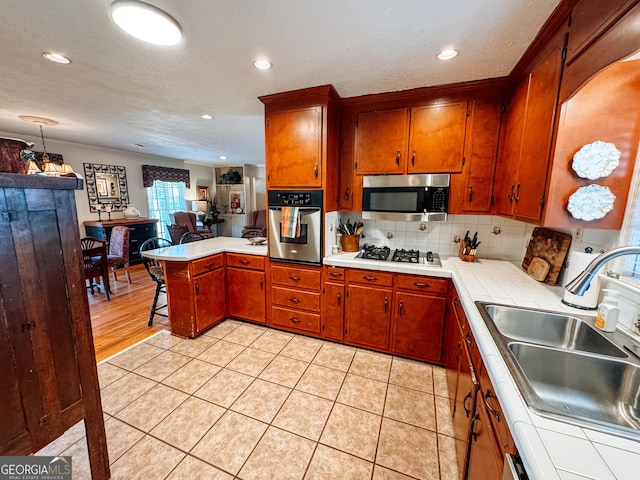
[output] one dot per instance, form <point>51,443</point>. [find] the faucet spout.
<point>580,284</point>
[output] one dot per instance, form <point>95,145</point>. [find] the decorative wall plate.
<point>591,202</point>
<point>596,160</point>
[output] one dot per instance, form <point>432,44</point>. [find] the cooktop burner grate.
<point>371,252</point>
<point>406,256</point>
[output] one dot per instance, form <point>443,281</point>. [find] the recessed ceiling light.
<point>146,22</point>
<point>222,157</point>
<point>206,116</point>
<point>139,145</point>
<point>262,64</point>
<point>38,120</point>
<point>448,54</point>
<point>56,58</point>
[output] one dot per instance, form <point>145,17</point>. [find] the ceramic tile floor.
<point>248,402</point>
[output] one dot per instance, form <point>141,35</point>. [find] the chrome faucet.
<point>580,284</point>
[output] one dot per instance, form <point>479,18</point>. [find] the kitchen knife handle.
<point>386,305</point>
<point>401,308</point>
<point>398,157</point>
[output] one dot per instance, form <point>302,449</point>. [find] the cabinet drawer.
<point>296,277</point>
<point>142,230</point>
<point>307,322</point>
<point>423,284</point>
<point>369,277</point>
<point>289,297</point>
<point>333,274</point>
<point>206,264</point>
<point>253,262</point>
<point>496,416</point>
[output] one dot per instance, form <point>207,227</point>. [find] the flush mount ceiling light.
<point>206,116</point>
<point>139,145</point>
<point>146,22</point>
<point>56,58</point>
<point>38,120</point>
<point>222,157</point>
<point>262,64</point>
<point>448,54</point>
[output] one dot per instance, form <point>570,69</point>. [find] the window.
<point>630,232</point>
<point>165,198</point>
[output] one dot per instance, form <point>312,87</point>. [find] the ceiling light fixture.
<point>448,54</point>
<point>262,64</point>
<point>56,58</point>
<point>222,157</point>
<point>206,116</point>
<point>139,145</point>
<point>146,22</point>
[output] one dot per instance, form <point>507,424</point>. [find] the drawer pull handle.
<point>295,320</point>
<point>209,265</point>
<point>244,262</point>
<point>346,194</point>
<point>421,285</point>
<point>295,300</point>
<point>464,404</point>
<point>371,278</point>
<point>315,170</point>
<point>489,407</point>
<point>474,434</point>
<point>467,338</point>
<point>335,274</point>
<point>294,278</point>
<point>457,351</point>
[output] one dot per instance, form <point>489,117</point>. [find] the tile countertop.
<point>208,246</point>
<point>550,449</point>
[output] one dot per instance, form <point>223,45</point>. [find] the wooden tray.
<point>551,246</point>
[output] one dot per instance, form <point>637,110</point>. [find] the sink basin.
<point>563,366</point>
<point>585,387</point>
<point>550,329</point>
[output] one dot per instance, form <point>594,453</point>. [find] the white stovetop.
<point>550,449</point>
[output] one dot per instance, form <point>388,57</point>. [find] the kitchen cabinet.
<point>485,461</point>
<point>349,194</point>
<point>302,140</point>
<point>295,297</point>
<point>195,294</point>
<point>521,170</point>
<point>246,287</point>
<point>472,189</point>
<point>333,301</point>
<point>420,139</point>
<point>49,379</point>
<point>140,229</point>
<point>368,309</point>
<point>418,317</point>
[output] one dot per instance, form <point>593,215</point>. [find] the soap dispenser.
<point>608,311</point>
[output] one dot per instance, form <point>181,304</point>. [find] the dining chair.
<point>118,255</point>
<point>96,265</point>
<point>188,237</point>
<point>154,268</point>
<point>176,232</point>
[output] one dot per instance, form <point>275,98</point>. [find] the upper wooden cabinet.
<point>529,127</point>
<point>421,139</point>
<point>471,190</point>
<point>302,139</point>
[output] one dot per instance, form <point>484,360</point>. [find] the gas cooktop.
<point>371,252</point>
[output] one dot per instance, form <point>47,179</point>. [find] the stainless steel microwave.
<point>411,198</point>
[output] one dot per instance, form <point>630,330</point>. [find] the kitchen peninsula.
<point>550,449</point>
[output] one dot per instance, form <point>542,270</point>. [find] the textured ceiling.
<point>119,91</point>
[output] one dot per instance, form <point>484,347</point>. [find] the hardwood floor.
<point>122,322</point>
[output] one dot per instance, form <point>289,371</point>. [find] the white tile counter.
<point>550,449</point>
<point>206,247</point>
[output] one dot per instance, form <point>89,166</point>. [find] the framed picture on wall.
<point>236,201</point>
<point>203,193</point>
<point>101,187</point>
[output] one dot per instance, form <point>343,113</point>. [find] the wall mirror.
<point>106,187</point>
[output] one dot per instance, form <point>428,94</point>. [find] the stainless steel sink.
<point>593,389</point>
<point>564,367</point>
<point>551,329</point>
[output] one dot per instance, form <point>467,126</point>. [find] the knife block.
<point>465,252</point>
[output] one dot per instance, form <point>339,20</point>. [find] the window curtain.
<point>151,173</point>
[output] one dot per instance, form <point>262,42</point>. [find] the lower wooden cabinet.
<point>485,461</point>
<point>368,316</point>
<point>246,293</point>
<point>295,298</point>
<point>333,311</point>
<point>209,298</point>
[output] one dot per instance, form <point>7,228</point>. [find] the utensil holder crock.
<point>350,243</point>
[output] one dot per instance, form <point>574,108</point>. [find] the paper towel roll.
<point>578,261</point>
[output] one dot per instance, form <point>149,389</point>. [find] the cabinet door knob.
<point>315,170</point>
<point>516,195</point>
<point>346,194</point>
<point>339,300</point>
<point>401,311</point>
<point>386,305</point>
<point>398,157</point>
<point>470,197</point>
<point>197,288</point>
<point>261,282</point>
<point>413,158</point>
<point>510,193</point>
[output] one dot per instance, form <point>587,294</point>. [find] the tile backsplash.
<point>502,238</point>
